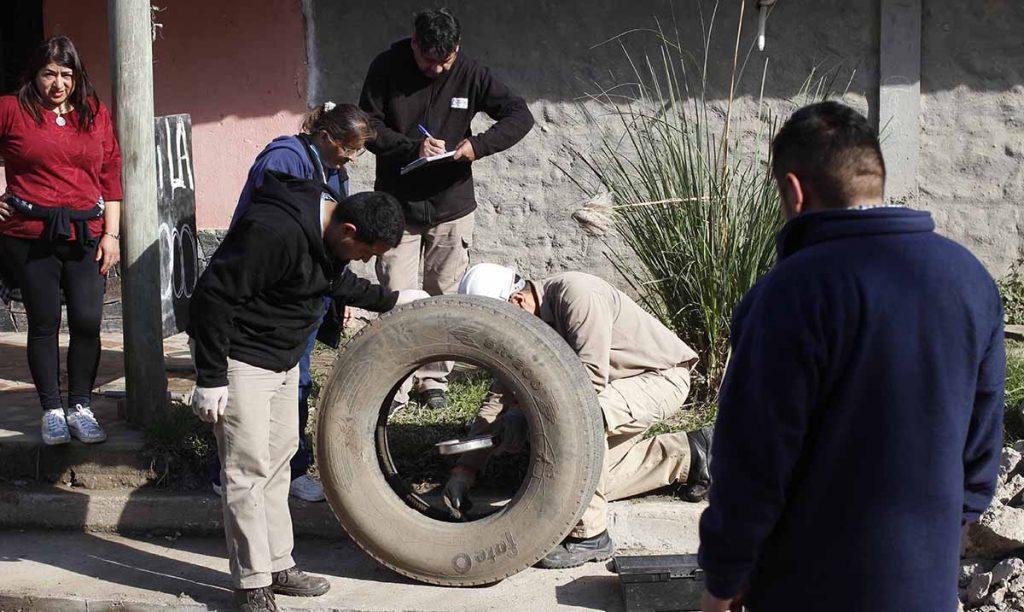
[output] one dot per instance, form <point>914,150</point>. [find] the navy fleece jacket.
<point>860,419</point>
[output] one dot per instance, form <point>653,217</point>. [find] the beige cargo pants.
<point>443,252</point>
<point>256,440</point>
<point>633,465</point>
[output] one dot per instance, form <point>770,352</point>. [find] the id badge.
<point>462,103</point>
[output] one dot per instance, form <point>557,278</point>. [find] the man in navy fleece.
<point>860,419</point>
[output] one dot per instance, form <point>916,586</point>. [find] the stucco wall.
<point>972,122</point>
<point>972,125</point>
<point>237,66</point>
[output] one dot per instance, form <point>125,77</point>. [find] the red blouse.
<point>52,165</point>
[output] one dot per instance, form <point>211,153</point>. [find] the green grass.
<point>1011,288</point>
<point>1013,429</point>
<point>414,430</point>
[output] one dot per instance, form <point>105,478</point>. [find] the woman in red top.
<point>59,225</point>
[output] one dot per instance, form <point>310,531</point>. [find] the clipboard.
<point>423,161</point>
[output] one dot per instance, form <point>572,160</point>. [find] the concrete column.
<point>899,95</point>
<point>131,62</point>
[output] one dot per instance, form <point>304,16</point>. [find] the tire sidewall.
<point>548,381</point>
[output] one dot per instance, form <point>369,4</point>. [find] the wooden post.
<point>131,54</point>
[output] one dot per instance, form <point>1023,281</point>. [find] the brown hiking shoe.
<point>255,600</point>
<point>298,584</point>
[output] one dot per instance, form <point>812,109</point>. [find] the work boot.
<point>299,584</point>
<point>434,399</point>
<point>698,480</point>
<point>577,551</point>
<point>255,600</point>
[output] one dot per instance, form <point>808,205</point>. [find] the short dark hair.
<point>437,32</point>
<point>61,51</point>
<point>833,149</point>
<point>377,217</point>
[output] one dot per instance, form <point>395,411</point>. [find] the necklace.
<point>61,121</point>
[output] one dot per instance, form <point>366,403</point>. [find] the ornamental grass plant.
<point>694,204</point>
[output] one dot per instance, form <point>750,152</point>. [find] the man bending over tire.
<point>641,372</point>
<point>251,315</point>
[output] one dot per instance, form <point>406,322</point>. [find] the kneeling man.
<point>251,316</point>
<point>641,373</point>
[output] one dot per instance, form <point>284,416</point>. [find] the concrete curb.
<point>651,525</point>
<point>139,511</point>
<point>1014,332</point>
<point>12,603</point>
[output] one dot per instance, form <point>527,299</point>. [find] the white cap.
<point>490,280</point>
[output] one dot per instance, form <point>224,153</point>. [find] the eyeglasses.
<point>350,153</point>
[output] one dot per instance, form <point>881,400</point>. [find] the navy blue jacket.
<point>293,155</point>
<point>860,419</point>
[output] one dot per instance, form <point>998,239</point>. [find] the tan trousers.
<point>256,440</point>
<point>444,253</point>
<point>633,465</point>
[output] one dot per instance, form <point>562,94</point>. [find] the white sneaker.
<point>307,489</point>
<point>55,427</point>
<point>83,425</point>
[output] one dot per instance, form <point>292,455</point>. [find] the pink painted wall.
<point>238,67</point>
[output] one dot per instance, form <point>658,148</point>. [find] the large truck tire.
<point>566,440</point>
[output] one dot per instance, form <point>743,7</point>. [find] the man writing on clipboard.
<point>422,95</point>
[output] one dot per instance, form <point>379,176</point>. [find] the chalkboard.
<point>176,206</point>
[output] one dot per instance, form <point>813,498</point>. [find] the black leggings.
<point>42,268</point>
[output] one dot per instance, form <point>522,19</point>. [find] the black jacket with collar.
<point>399,98</point>
<point>262,293</point>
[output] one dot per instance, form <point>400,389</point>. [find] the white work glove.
<point>512,431</point>
<point>456,492</point>
<point>410,295</point>
<point>209,403</point>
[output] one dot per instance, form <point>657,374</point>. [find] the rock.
<point>1009,490</point>
<point>967,571</point>
<point>978,589</point>
<point>997,596</point>
<point>1017,587</point>
<point>1007,570</point>
<point>1010,461</point>
<point>1000,532</point>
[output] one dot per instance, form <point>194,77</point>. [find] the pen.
<point>424,131</point>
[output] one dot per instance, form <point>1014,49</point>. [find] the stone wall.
<point>555,53</point>
<point>972,107</point>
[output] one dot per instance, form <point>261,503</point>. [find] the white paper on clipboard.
<point>423,161</point>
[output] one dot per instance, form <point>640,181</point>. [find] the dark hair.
<point>61,51</point>
<point>377,217</point>
<point>437,32</point>
<point>833,149</point>
<point>345,123</point>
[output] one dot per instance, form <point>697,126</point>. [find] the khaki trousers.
<point>444,253</point>
<point>633,465</point>
<point>256,440</point>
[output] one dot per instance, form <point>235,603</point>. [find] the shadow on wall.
<point>546,50</point>
<point>552,51</point>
